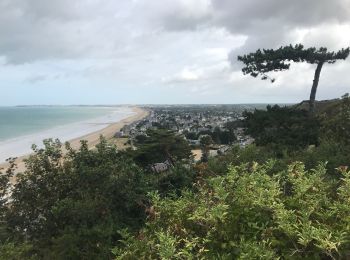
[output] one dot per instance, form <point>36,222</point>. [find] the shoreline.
<point>92,138</point>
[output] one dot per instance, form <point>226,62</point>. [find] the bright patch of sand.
<point>197,154</point>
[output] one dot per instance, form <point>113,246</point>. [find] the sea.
<point>23,126</point>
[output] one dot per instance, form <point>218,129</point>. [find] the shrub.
<point>281,127</point>
<point>249,214</point>
<point>71,205</point>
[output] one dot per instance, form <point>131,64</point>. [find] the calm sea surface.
<point>20,127</point>
<point>19,121</point>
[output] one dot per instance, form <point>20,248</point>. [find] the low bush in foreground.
<point>250,213</point>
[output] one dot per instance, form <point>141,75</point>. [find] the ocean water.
<point>20,127</point>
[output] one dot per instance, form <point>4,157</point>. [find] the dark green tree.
<point>73,205</point>
<point>263,61</point>
<point>161,145</point>
<point>216,135</point>
<point>222,136</point>
<point>336,127</point>
<point>5,191</point>
<point>191,135</point>
<point>205,141</point>
<point>282,127</point>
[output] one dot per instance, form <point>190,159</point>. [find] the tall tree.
<point>205,141</point>
<point>267,60</point>
<point>161,145</point>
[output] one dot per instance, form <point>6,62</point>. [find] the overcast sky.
<point>163,51</point>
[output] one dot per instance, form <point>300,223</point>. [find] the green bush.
<point>159,146</point>
<point>11,251</point>
<point>250,214</point>
<point>281,127</point>
<point>72,206</point>
<point>336,122</point>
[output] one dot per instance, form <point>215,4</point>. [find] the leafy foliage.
<point>205,142</point>
<point>337,126</point>
<point>266,60</point>
<point>283,126</point>
<point>5,187</point>
<point>248,214</point>
<point>72,205</point>
<point>16,251</point>
<point>161,145</point>
<point>218,135</point>
<point>177,178</point>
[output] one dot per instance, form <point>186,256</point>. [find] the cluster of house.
<point>181,120</point>
<point>188,119</point>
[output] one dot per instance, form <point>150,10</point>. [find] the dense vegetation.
<point>283,126</point>
<point>285,197</point>
<point>73,205</point>
<point>252,212</point>
<point>218,135</point>
<point>159,146</point>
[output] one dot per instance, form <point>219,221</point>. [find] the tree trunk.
<point>314,88</point>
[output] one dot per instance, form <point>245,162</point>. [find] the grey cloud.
<point>58,29</point>
<point>144,41</point>
<point>246,15</point>
<point>64,29</point>
<point>176,15</point>
<point>271,23</point>
<point>267,24</point>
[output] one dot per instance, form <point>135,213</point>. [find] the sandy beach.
<point>92,138</point>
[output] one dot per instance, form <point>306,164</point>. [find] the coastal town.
<point>223,123</point>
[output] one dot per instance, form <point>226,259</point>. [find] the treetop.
<point>267,60</point>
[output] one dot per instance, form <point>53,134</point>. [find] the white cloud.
<point>185,75</point>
